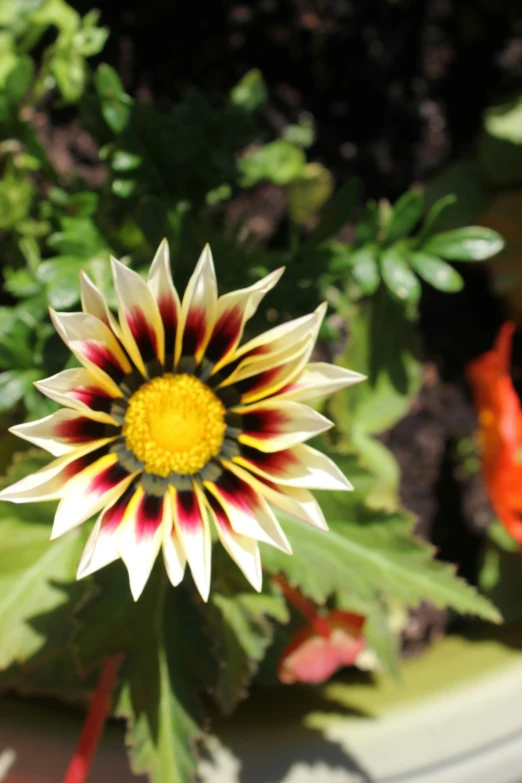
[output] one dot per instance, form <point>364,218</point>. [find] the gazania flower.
<point>172,424</point>
<point>500,436</point>
<point>329,641</point>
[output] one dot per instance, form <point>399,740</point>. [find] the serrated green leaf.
<point>336,212</point>
<point>407,212</point>
<point>474,243</point>
<point>372,557</point>
<point>238,620</point>
<point>397,275</point>
<point>436,217</point>
<point>365,269</point>
<point>33,572</point>
<point>436,272</point>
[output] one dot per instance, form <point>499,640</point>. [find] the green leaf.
<point>365,269</point>
<point>436,217</point>
<point>308,193</point>
<point>123,188</point>
<point>239,621</point>
<point>407,212</point>
<point>33,573</point>
<point>122,160</point>
<point>19,79</point>
<point>397,275</point>
<point>14,384</point>
<point>371,557</point>
<point>167,665</point>
<point>250,93</point>
<point>436,272</point>
<point>69,70</point>
<point>336,212</point>
<point>279,162</point>
<point>474,243</point>
<point>116,105</point>
<point>500,143</point>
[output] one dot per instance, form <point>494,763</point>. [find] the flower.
<point>500,435</point>
<point>172,424</point>
<point>328,642</point>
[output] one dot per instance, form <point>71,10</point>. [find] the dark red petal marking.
<point>79,464</point>
<point>263,424</point>
<point>169,316</point>
<point>81,430</point>
<point>225,334</point>
<point>194,331</point>
<point>257,382</point>
<point>105,360</point>
<point>221,517</point>
<point>114,515</point>
<point>143,334</point>
<point>149,515</point>
<point>94,397</point>
<point>107,479</point>
<point>189,516</point>
<point>237,492</point>
<point>276,463</point>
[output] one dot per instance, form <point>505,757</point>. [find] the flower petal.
<point>190,519</point>
<point>161,284</point>
<point>247,511</point>
<point>242,549</point>
<point>140,320</point>
<point>300,466</point>
<point>284,336</point>
<point>297,502</point>
<point>258,379</point>
<point>198,310</point>
<point>233,310</point>
<point>319,379</point>
<point>100,549</point>
<point>48,483</point>
<point>88,492</point>
<point>62,431</point>
<point>94,345</point>
<point>139,536</point>
<point>93,302</point>
<point>80,390</point>
<point>274,426</point>
<point>173,553</point>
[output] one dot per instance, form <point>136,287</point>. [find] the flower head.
<point>500,436</point>
<point>173,424</point>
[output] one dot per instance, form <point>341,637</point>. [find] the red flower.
<point>500,436</point>
<point>327,643</point>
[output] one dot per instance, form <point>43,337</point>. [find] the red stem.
<point>92,728</point>
<point>304,606</point>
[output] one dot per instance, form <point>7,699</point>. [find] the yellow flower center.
<point>174,423</point>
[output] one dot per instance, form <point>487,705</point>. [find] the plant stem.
<point>304,606</point>
<point>79,766</point>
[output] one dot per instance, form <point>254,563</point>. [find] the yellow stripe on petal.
<point>88,492</point>
<point>93,302</point>
<point>300,466</point>
<point>62,431</point>
<point>274,425</point>
<point>198,310</point>
<point>243,550</point>
<point>140,320</point>
<point>139,536</point>
<point>319,379</point>
<point>49,482</point>
<point>191,522</point>
<point>248,511</point>
<point>94,345</point>
<point>233,310</point>
<point>162,286</point>
<point>299,503</point>
<point>80,390</point>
